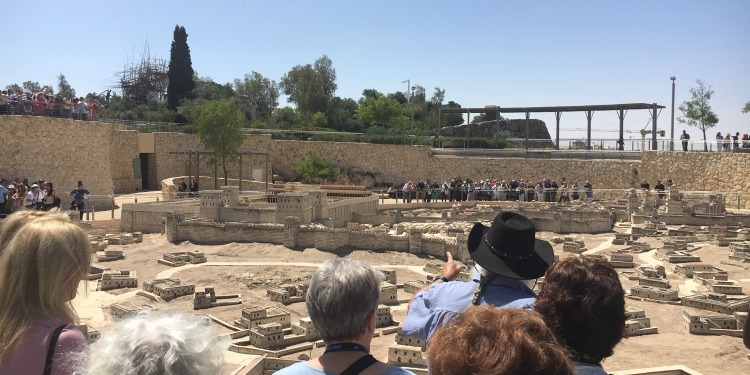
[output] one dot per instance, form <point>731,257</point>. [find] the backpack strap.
<point>51,351</point>
<point>360,365</point>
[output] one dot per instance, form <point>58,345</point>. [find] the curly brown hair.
<point>485,340</point>
<point>583,303</point>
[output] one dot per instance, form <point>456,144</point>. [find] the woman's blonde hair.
<point>40,268</point>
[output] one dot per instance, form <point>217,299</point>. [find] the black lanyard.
<point>345,347</point>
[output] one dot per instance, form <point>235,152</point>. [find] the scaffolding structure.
<point>146,79</point>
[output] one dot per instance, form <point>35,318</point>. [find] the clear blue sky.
<point>519,53</point>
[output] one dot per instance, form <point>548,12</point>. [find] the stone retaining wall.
<point>65,151</point>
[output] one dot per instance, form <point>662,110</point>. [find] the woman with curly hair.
<point>150,344</point>
<point>486,340</point>
<point>583,303</point>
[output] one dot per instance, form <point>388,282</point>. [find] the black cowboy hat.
<point>509,248</point>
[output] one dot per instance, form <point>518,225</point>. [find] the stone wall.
<point>63,151</point>
<point>149,218</point>
<point>123,154</point>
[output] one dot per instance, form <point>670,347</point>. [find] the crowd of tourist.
<point>492,324</point>
<point>458,189</point>
<point>731,143</point>
<point>20,195</point>
<point>43,103</point>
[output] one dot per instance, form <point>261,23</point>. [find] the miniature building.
<point>412,287</point>
<point>181,258</point>
<point>573,246</point>
<point>266,336</point>
<point>639,247</point>
<point>288,293</point>
<point>95,272</point>
<point>407,351</point>
<point>124,309</point>
<point>117,279</point>
<point>383,317</point>
<point>688,270</point>
<point>721,286</point>
<point>621,239</point>
<point>109,255</point>
<point>650,292</point>
<point>717,302</point>
<point>652,272</point>
<point>208,298</point>
<point>637,324</point>
<point>390,275</point>
<point>730,325</point>
<point>620,259</point>
<point>168,288</point>
<point>255,316</point>
<point>659,283</point>
<point>388,294</point>
<point>740,251</point>
<point>672,256</point>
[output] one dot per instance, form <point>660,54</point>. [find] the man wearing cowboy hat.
<point>508,259</point>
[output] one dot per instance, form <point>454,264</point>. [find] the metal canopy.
<point>558,110</point>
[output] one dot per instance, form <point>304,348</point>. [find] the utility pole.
<point>671,134</point>
<point>410,93</point>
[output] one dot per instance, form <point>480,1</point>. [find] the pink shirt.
<point>30,352</point>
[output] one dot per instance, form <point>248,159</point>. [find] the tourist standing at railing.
<point>685,138</point>
<point>589,188</point>
<point>719,141</point>
<point>51,199</point>
<point>575,189</point>
<point>645,185</point>
<point>727,142</point>
<point>660,188</point>
<point>446,193</point>
<point>4,107</point>
<point>406,190</point>
<point>37,197</point>
<point>736,142</point>
<point>39,105</point>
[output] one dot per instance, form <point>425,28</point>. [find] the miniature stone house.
<point>637,324</point>
<point>178,259</point>
<point>655,293</point>
<point>715,324</point>
<point>208,298</point>
<point>117,279</point>
<point>255,316</point>
<point>388,294</point>
<point>109,255</point>
<point>717,302</point>
<point>168,288</point>
<point>124,309</point>
<point>288,293</point>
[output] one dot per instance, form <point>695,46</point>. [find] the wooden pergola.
<point>493,113</point>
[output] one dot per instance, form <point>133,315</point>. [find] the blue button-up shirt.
<point>444,301</point>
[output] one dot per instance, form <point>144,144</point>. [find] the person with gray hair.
<point>342,301</point>
<point>148,344</point>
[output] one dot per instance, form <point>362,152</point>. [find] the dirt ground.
<point>259,266</point>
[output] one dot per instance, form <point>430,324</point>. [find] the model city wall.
<point>104,156</point>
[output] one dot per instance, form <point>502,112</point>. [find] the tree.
<point>319,120</point>
<point>382,110</point>
<point>180,73</point>
<point>14,88</point>
<point>452,119</point>
<point>310,87</point>
<point>746,108</point>
<point>31,86</point>
<point>261,92</point>
<point>697,111</point>
<point>64,88</point>
<point>219,124</point>
<point>318,169</point>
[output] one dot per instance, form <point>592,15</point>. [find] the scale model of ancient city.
<point>242,254</point>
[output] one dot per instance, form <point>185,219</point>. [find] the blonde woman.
<point>40,269</point>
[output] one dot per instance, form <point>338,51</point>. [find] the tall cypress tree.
<point>181,82</point>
